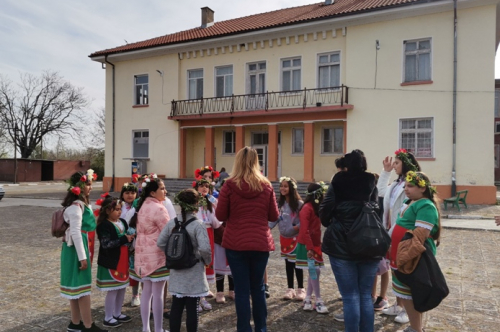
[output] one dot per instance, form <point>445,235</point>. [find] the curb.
<point>466,217</point>
<point>471,229</point>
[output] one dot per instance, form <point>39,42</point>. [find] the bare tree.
<point>39,106</point>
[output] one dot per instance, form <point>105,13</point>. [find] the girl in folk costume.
<point>187,285</point>
<point>309,244</point>
<point>206,213</point>
<point>289,205</point>
<point>421,214</point>
<point>128,195</point>
<point>208,173</point>
<point>394,196</point>
<point>152,217</point>
<point>77,251</point>
<point>112,268</point>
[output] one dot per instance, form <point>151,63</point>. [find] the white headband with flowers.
<point>288,179</point>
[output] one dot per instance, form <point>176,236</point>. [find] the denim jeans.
<point>355,281</point>
<point>247,268</point>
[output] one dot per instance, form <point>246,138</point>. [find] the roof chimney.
<point>207,17</point>
<point>329,2</point>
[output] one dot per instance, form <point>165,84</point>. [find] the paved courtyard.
<point>30,301</point>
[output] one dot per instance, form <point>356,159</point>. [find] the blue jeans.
<point>355,281</point>
<point>247,268</point>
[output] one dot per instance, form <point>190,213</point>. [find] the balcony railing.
<point>265,101</point>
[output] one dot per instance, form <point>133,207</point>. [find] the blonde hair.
<point>246,168</point>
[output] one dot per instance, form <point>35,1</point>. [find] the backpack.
<point>59,225</point>
<point>367,237</point>
<point>179,250</point>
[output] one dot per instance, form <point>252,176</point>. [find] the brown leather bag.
<point>410,250</point>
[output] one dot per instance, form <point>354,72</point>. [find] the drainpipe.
<point>112,188</point>
<point>453,171</point>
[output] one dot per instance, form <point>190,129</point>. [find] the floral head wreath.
<point>99,203</point>
<point>77,187</point>
<point>129,186</point>
<point>318,192</point>
<point>289,180</point>
<point>189,207</point>
<point>418,180</point>
<point>147,178</point>
<point>198,173</point>
<point>402,155</point>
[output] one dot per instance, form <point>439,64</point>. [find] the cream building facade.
<point>305,92</point>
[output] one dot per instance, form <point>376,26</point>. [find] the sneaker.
<point>200,309</point>
<point>380,304</point>
<point>393,310</point>
<point>123,318</point>
<point>230,295</point>
<point>301,294</point>
<point>205,305</point>
<point>402,317</point>
<point>321,309</point>
<point>339,317</point>
<point>289,294</point>
<point>219,297</point>
<point>266,291</point>
<point>308,306</point>
<point>136,301</point>
<point>111,323</point>
<point>93,328</point>
<point>75,327</point>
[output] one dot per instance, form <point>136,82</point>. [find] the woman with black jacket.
<point>354,275</point>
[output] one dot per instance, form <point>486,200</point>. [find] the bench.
<point>455,200</point>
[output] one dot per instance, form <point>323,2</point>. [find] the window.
<point>224,81</point>
<point>141,89</point>
<point>195,85</point>
<point>497,103</point>
<point>497,156</point>
<point>297,140</point>
<point>417,60</point>
<point>290,74</point>
<point>332,140</point>
<point>329,70</point>
<point>141,144</point>
<point>256,78</point>
<point>416,136</point>
<point>497,127</point>
<point>229,142</point>
<point>260,139</point>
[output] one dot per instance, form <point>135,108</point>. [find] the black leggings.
<point>178,304</point>
<point>219,280</point>
<point>290,267</point>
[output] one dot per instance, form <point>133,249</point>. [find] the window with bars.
<point>417,136</point>
<point>224,81</point>
<point>229,142</point>
<point>297,140</point>
<point>417,60</point>
<point>290,74</point>
<point>332,140</point>
<point>141,83</point>
<point>195,84</point>
<point>328,70</point>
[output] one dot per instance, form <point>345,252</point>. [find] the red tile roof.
<point>277,18</point>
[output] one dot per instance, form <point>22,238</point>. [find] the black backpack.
<point>179,250</point>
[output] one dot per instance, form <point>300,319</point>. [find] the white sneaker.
<point>308,306</point>
<point>402,317</point>
<point>136,301</point>
<point>393,310</point>
<point>320,308</point>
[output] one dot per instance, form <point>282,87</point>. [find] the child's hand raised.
<point>387,162</point>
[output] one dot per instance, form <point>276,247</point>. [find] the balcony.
<point>268,102</point>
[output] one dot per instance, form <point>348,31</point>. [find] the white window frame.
<point>417,52</point>
<point>144,133</point>
<point>333,152</point>
<point>226,77</point>
<point>296,151</point>
<point>328,64</point>
<point>417,131</point>
<point>144,98</point>
<point>292,68</point>
<point>224,142</point>
<point>257,72</point>
<point>196,80</point>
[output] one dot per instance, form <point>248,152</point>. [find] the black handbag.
<point>367,237</point>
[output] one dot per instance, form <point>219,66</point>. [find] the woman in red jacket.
<point>246,203</point>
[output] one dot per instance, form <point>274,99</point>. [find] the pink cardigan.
<point>151,219</point>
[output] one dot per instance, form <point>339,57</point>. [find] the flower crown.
<point>201,181</point>
<point>129,186</point>
<point>146,178</point>
<point>418,180</point>
<point>188,207</point>
<point>198,173</point>
<point>76,187</point>
<point>289,180</point>
<point>318,192</point>
<point>402,155</point>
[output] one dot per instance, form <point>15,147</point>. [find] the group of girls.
<point>300,240</point>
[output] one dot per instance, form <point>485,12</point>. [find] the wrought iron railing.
<point>267,101</point>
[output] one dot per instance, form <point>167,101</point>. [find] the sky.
<point>59,35</point>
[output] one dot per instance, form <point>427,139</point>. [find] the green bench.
<point>455,200</point>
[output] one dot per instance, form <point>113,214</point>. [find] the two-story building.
<point>305,85</point>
